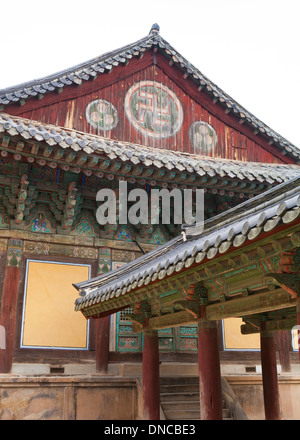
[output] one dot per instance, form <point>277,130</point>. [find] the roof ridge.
<point>76,67</point>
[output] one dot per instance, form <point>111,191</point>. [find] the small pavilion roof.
<point>231,229</point>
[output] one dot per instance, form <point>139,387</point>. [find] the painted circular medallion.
<point>203,137</point>
<point>153,109</point>
<point>101,115</point>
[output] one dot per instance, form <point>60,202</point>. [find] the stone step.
<point>226,413</point>
<point>181,414</point>
<point>180,399</point>
<point>181,404</point>
<point>178,380</point>
<point>167,397</point>
<point>180,388</point>
<point>190,414</point>
<point>183,398</point>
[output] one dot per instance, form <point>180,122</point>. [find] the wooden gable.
<point>152,99</point>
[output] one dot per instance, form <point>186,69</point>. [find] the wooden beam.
<point>70,156</point>
<point>5,141</point>
<point>92,161</point>
<point>20,146</point>
<point>115,166</point>
<point>137,170</point>
<point>34,149</point>
<point>81,159</point>
<point>255,303</point>
<point>58,154</point>
<point>126,168</point>
<point>104,165</point>
<point>172,320</point>
<point>47,151</point>
<point>270,326</point>
<point>90,315</point>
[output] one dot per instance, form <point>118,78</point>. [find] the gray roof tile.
<point>137,154</point>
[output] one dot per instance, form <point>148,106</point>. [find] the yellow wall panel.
<point>295,338</point>
<point>234,340</point>
<point>49,319</point>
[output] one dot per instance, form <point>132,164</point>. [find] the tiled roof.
<point>147,156</point>
<point>105,63</point>
<point>235,227</point>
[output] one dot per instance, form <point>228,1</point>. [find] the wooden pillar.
<point>102,344</point>
<point>9,302</point>
<point>151,387</point>
<point>103,324</point>
<point>283,342</point>
<point>209,371</point>
<point>269,376</point>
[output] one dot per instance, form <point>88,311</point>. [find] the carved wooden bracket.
<point>192,307</point>
<point>195,296</point>
<point>289,282</point>
<point>290,261</point>
<point>289,276</point>
<point>141,313</point>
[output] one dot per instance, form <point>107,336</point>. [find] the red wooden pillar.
<point>103,324</point>
<point>282,339</point>
<point>209,371</point>
<point>269,376</point>
<point>151,387</point>
<point>9,303</point>
<point>102,344</point>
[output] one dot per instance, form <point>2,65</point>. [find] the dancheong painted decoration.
<point>101,115</point>
<point>203,137</point>
<point>153,109</point>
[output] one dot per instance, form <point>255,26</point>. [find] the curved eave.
<point>277,209</point>
<point>173,167</point>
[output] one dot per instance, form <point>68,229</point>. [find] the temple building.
<point>123,320</point>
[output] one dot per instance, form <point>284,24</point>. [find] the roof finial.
<point>155,29</point>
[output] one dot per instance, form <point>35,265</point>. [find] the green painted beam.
<point>255,303</point>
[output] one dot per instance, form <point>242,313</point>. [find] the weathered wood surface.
<point>235,141</point>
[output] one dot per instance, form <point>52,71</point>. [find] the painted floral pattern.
<point>203,137</point>
<point>101,115</point>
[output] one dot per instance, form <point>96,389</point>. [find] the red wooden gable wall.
<point>198,126</point>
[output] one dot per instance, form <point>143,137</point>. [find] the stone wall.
<point>95,397</point>
<point>68,398</point>
<point>249,392</point>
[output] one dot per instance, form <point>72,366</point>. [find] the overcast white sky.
<point>249,48</point>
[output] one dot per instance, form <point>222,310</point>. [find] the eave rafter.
<point>58,148</point>
<point>102,166</point>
